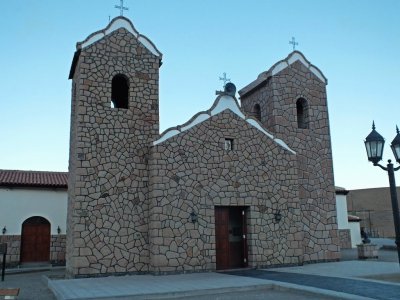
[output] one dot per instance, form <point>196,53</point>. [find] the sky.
<point>355,43</point>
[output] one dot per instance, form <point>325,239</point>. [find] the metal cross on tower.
<point>294,43</point>
<point>224,79</point>
<point>121,7</point>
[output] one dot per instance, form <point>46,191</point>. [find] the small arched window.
<point>119,91</point>
<point>257,111</point>
<point>302,113</point>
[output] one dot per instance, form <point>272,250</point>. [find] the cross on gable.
<point>294,43</point>
<point>224,79</point>
<point>121,7</point>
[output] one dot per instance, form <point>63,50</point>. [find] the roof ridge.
<point>33,171</point>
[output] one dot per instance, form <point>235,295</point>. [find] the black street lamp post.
<point>374,143</point>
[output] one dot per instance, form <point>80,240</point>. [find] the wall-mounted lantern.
<point>278,215</point>
<point>58,229</point>
<point>4,230</point>
<point>193,217</point>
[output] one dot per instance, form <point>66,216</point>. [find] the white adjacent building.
<point>348,225</point>
<point>33,216</point>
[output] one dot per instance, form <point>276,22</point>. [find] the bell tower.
<point>114,117</point>
<point>290,101</point>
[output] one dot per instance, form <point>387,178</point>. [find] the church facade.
<point>235,186</point>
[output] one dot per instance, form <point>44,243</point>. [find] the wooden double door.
<point>35,240</point>
<point>231,237</point>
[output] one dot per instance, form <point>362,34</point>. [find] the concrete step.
<point>31,265</point>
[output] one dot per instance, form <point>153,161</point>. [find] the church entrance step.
<point>44,264</point>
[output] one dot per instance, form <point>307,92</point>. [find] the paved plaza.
<point>337,280</point>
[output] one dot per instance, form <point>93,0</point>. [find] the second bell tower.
<point>290,101</point>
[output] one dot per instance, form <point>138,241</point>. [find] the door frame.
<point>44,237</point>
<point>226,210</point>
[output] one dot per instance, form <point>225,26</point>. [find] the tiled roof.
<point>16,178</point>
<point>341,191</point>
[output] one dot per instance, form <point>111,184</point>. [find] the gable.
<point>222,103</point>
<point>292,58</point>
<point>295,56</point>
<point>115,24</point>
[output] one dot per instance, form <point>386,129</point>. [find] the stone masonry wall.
<point>108,210</point>
<point>263,96</point>
<point>316,190</point>
<point>277,99</point>
<point>193,172</point>
<point>13,249</point>
<point>57,249</point>
<point>72,176</point>
<point>345,238</point>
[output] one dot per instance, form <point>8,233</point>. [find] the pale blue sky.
<point>354,43</point>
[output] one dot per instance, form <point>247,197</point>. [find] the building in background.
<point>374,208</point>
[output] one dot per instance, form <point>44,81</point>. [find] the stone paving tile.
<point>344,269</point>
<point>345,285</point>
<point>137,285</point>
<point>32,285</point>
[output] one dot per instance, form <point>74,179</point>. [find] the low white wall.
<point>19,204</point>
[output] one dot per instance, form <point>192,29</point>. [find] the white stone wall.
<point>343,220</point>
<point>341,209</point>
<point>355,234</point>
<point>19,204</point>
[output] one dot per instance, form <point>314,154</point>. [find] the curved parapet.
<point>282,65</point>
<point>222,103</point>
<point>115,24</point>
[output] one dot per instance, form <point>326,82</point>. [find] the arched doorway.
<point>35,240</point>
